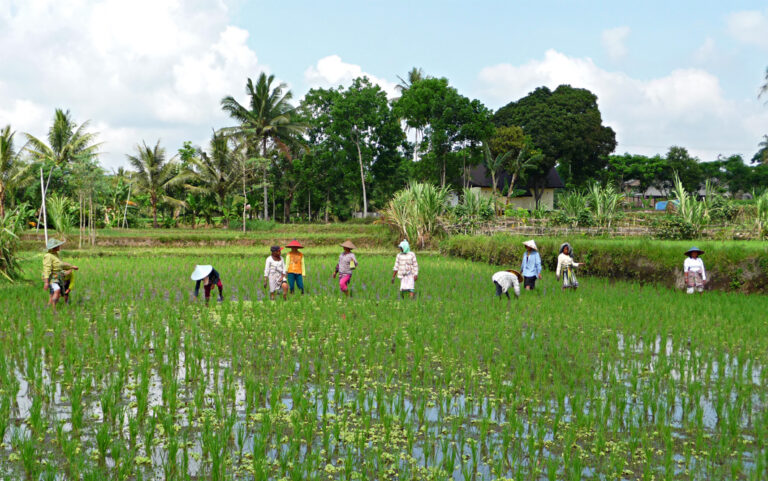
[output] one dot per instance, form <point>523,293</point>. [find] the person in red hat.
<point>296,267</point>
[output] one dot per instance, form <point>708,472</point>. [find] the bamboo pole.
<point>45,215</point>
<point>125,213</point>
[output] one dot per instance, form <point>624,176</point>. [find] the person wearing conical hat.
<point>693,271</point>
<point>503,280</point>
<point>54,269</point>
<point>347,263</point>
<point>531,265</point>
<point>566,266</point>
<point>296,267</point>
<point>275,272</point>
<point>209,277</point>
<point>407,269</point>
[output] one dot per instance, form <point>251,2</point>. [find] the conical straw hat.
<point>201,272</point>
<point>348,244</point>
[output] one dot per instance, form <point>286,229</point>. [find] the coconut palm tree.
<point>14,173</point>
<point>268,120</point>
<point>155,175</point>
<point>216,171</point>
<point>66,142</point>
<point>413,76</point>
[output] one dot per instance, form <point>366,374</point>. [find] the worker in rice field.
<point>54,270</point>
<point>407,269</point>
<point>209,277</point>
<point>531,265</point>
<point>566,266</point>
<point>275,273</point>
<point>347,263</point>
<point>296,267</point>
<point>67,283</point>
<point>503,280</point>
<point>693,271</point>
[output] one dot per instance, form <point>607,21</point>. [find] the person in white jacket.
<point>693,271</point>
<point>503,280</point>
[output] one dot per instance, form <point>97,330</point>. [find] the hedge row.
<point>731,265</point>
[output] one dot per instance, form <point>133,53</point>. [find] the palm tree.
<point>215,171</point>
<point>267,119</point>
<point>413,76</point>
<point>525,159</point>
<point>155,175</point>
<point>494,165</point>
<point>14,173</point>
<point>66,142</point>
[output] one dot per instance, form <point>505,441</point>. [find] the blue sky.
<point>679,73</point>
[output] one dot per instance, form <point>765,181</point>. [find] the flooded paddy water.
<point>614,381</point>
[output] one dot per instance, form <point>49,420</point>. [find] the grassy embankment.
<point>731,265</point>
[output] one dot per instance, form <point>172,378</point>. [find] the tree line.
<point>341,151</point>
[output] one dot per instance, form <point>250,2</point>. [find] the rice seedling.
<point>618,381</point>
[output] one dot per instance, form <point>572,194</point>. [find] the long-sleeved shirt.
<point>344,267</point>
<point>274,267</point>
<point>506,280</point>
<point>563,261</point>
<point>695,265</point>
<point>406,265</point>
<point>52,267</point>
<point>531,266</point>
<point>213,278</point>
<point>296,263</point>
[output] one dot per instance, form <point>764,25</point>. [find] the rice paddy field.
<point>614,381</point>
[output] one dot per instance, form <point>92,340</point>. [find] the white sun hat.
<point>530,244</point>
<point>201,272</point>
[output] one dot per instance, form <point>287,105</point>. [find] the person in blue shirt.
<point>531,266</point>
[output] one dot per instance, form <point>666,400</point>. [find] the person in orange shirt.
<point>296,268</point>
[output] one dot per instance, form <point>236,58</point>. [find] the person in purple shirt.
<point>347,263</point>
<point>531,266</point>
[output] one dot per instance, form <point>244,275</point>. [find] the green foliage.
<point>761,217</point>
<point>12,224</point>
<point>448,120</point>
<point>567,126</point>
<point>604,203</point>
<point>416,212</point>
<point>691,212</point>
<point>573,210</point>
<point>473,211</point>
<point>59,210</point>
<point>674,227</point>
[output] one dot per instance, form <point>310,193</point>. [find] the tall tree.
<point>267,120</point>
<point>494,164</point>
<point>567,126</point>
<point>449,120</point>
<point>67,142</point>
<point>14,173</point>
<point>686,167</point>
<point>761,156</point>
<point>527,158</point>
<point>155,175</point>
<point>414,75</point>
<point>216,171</point>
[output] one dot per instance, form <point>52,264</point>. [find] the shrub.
<point>11,226</point>
<point>416,212</point>
<point>674,227</point>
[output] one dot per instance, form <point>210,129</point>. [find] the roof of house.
<point>480,177</point>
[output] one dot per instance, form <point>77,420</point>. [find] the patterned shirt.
<point>344,267</point>
<point>406,265</point>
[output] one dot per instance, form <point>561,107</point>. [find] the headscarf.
<point>570,249</point>
<point>405,246</point>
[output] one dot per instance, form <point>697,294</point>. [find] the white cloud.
<point>749,27</point>
<point>685,107</point>
<point>141,70</point>
<point>706,52</point>
<point>331,71</point>
<point>614,42</point>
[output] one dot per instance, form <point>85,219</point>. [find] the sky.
<point>684,73</point>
